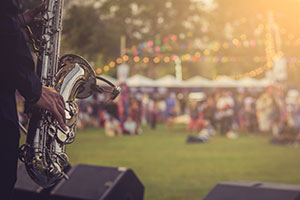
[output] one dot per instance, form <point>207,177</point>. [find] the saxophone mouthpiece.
<point>115,93</point>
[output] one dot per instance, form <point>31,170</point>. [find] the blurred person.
<point>170,110</point>
<point>17,73</point>
<point>94,113</point>
<point>171,116</point>
<point>153,110</point>
<point>135,113</point>
<point>240,113</point>
<point>162,110</point>
<point>101,101</point>
<point>200,122</point>
<point>113,109</point>
<point>83,114</point>
<point>209,111</point>
<point>177,106</point>
<point>249,113</point>
<point>279,111</point>
<point>145,109</point>
<point>130,126</point>
<point>123,103</point>
<point>225,105</point>
<point>264,111</point>
<point>297,140</point>
<point>293,108</point>
<point>286,134</point>
<point>239,110</point>
<point>238,104</point>
<point>112,126</point>
<point>182,103</point>
<point>204,135</point>
<point>170,103</point>
<point>194,115</point>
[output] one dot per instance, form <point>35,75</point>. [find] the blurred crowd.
<point>273,111</point>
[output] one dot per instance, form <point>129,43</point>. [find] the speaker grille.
<point>93,182</point>
<point>246,190</point>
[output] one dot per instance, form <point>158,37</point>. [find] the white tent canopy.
<point>198,81</point>
<point>194,82</point>
<point>225,82</point>
<point>169,81</point>
<point>252,82</point>
<point>249,82</point>
<point>264,82</point>
<point>140,81</point>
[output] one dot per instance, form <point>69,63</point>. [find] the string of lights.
<point>159,48</point>
<point>196,57</point>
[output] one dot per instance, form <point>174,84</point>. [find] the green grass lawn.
<point>171,169</point>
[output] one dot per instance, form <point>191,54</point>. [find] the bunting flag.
<point>161,50</point>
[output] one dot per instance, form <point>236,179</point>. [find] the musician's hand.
<point>29,16</point>
<point>35,23</point>
<point>53,102</point>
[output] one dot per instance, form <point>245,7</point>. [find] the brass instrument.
<point>44,153</point>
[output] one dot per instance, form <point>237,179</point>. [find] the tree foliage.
<point>92,28</point>
<point>96,28</point>
<point>249,20</point>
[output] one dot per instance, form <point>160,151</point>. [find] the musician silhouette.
<point>17,73</point>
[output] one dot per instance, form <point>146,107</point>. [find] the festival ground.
<point>171,169</point>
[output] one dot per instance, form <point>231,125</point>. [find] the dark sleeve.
<point>17,68</point>
<point>7,6</point>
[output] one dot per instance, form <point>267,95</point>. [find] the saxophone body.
<point>44,153</point>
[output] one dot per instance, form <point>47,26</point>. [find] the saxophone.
<point>44,152</point>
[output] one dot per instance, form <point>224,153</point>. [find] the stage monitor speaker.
<point>90,182</point>
<point>25,188</point>
<point>246,190</point>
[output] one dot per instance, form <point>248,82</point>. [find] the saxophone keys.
<point>62,136</point>
<point>68,111</point>
<point>52,131</point>
<point>65,176</point>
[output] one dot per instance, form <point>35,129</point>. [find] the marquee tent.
<point>249,83</point>
<point>224,83</point>
<point>252,82</point>
<point>169,81</point>
<point>198,81</point>
<point>140,81</point>
<point>264,82</point>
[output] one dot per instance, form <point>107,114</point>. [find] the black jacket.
<point>16,64</point>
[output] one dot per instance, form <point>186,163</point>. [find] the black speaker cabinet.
<point>246,190</point>
<point>25,188</point>
<point>99,183</point>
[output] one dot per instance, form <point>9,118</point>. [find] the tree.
<point>250,19</point>
<point>96,28</point>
